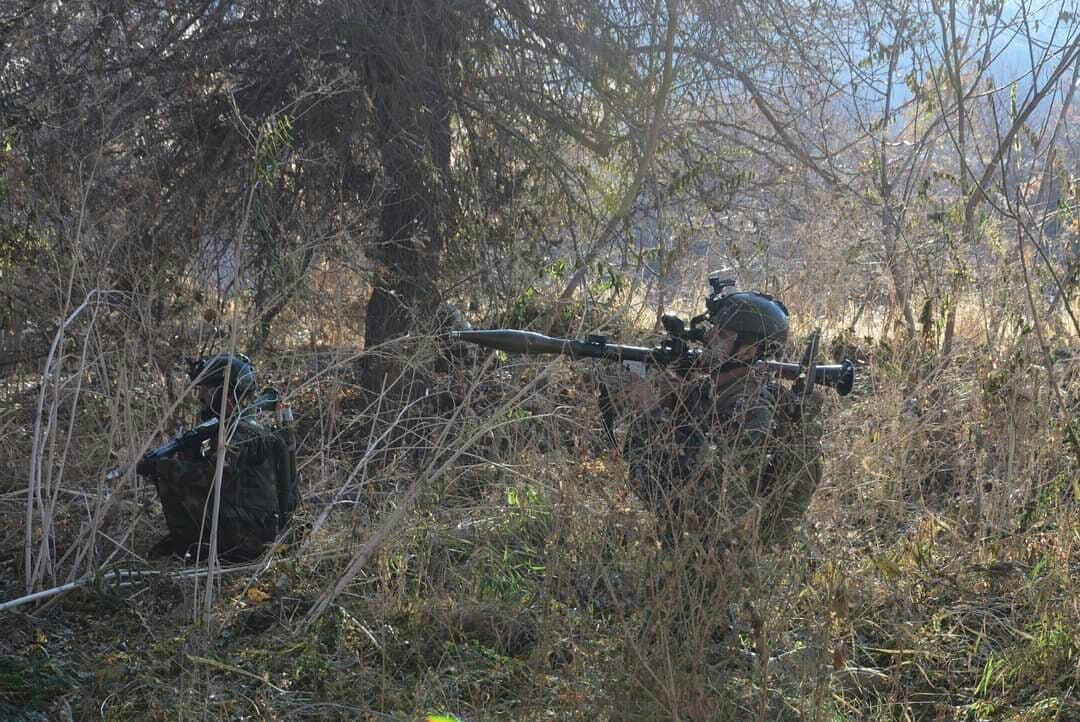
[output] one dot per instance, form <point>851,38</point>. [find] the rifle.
<point>674,350</point>
<point>195,436</point>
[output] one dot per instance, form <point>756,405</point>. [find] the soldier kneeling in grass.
<point>723,452</point>
<point>258,480</point>
<point>727,460</point>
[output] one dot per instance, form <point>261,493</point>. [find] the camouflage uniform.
<point>248,515</point>
<point>747,448</point>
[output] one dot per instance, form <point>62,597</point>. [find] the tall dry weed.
<point>471,543</point>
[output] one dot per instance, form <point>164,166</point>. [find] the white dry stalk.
<point>84,542</point>
<point>56,470</point>
<point>43,434</point>
<point>360,466</point>
<point>35,491</point>
<point>424,477</point>
<point>225,434</point>
<point>82,547</point>
<point>102,492</point>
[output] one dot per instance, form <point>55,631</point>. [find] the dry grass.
<point>477,551</point>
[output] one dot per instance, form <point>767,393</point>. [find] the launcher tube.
<point>839,376</point>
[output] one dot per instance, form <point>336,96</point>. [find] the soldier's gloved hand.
<point>146,467</point>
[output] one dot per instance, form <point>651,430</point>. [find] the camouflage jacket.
<point>249,501</point>
<point>747,447</point>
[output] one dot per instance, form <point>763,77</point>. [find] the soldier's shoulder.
<point>254,423</point>
<point>248,426</point>
<point>754,391</point>
<point>250,430</point>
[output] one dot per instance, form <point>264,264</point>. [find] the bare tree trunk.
<point>897,271</point>
<point>967,237</point>
<point>889,223</point>
<point>412,113</point>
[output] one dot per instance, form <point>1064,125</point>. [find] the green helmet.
<point>757,317</point>
<point>210,371</point>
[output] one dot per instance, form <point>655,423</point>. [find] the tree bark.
<point>412,115</point>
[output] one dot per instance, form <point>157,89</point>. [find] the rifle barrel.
<point>267,400</point>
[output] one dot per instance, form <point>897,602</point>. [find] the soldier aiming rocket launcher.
<point>675,349</point>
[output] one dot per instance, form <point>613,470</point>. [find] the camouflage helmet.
<point>210,371</point>
<point>753,316</point>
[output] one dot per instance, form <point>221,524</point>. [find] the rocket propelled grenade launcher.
<point>674,350</point>
<point>838,376</point>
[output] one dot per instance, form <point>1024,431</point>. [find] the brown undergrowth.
<point>471,547</point>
